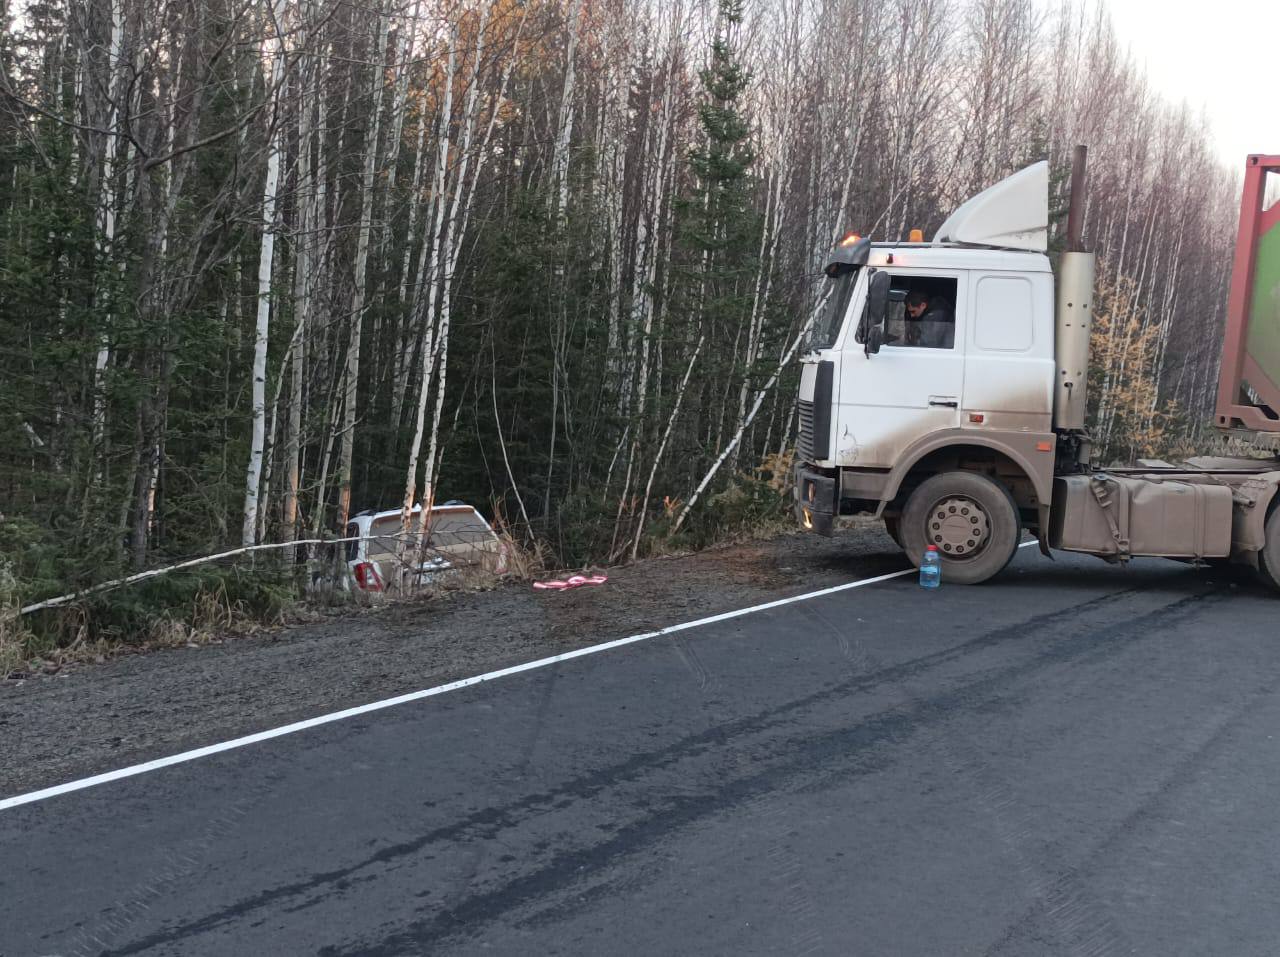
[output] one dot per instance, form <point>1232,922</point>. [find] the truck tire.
<point>1269,557</point>
<point>972,520</point>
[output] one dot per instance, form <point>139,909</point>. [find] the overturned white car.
<point>458,538</point>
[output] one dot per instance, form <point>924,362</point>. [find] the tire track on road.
<point>861,747</point>
<point>842,753</point>
<point>1082,925</point>
<point>1213,733</point>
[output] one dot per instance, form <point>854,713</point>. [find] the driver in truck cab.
<point>930,322</point>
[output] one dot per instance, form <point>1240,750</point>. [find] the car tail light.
<point>367,577</point>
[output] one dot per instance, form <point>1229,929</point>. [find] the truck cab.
<point>886,403</point>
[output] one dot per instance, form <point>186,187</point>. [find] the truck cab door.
<point>914,385</point>
<point>1009,359</point>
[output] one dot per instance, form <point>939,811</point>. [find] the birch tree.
<point>351,381</point>
<point>271,183</point>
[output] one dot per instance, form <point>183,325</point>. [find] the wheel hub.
<point>959,527</point>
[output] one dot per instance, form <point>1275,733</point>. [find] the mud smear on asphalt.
<point>93,718</point>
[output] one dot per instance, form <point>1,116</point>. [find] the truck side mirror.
<point>877,305</point>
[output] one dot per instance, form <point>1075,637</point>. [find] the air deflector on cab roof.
<point>1012,214</point>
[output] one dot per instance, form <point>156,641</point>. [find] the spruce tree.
<point>720,226</point>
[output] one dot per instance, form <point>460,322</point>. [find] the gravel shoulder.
<point>93,718</point>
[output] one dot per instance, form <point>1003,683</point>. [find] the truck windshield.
<point>826,328</point>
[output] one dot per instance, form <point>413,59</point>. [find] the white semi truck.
<point>945,392</point>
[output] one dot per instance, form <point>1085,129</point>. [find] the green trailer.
<point>1249,382</point>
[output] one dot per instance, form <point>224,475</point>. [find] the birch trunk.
<point>404,354</point>
<point>262,326</point>
<point>747,420</point>
<point>454,232</point>
<point>352,379</point>
<point>662,446</point>
<point>425,311</point>
<point>564,131</point>
<point>107,208</point>
<point>309,222</point>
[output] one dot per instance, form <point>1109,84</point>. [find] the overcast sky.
<point>1220,56</point>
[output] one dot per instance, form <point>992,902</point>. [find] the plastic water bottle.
<point>930,568</point>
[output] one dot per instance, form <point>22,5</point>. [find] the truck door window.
<point>922,312</point>
<point>1003,314</point>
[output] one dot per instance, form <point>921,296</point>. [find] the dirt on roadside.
<point>96,717</point>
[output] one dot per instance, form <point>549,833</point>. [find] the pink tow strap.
<point>574,582</point>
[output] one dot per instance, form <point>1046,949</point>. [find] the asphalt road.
<point>1071,760</point>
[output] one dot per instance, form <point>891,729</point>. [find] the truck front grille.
<point>804,441</point>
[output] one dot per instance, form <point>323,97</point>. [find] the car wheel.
<point>971,519</point>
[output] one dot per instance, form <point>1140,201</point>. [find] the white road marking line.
<point>297,726</point>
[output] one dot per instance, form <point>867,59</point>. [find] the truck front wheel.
<point>1269,559</point>
<point>972,520</point>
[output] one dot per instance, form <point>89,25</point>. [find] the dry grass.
<point>23,651</point>
<point>522,564</point>
<point>210,616</point>
<point>13,642</point>
<point>14,637</point>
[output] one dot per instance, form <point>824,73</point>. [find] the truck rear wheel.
<point>1269,558</point>
<point>972,520</point>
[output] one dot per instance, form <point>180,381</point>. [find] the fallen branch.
<point>156,572</point>
<point>746,422</point>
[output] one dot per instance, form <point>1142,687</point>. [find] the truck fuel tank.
<point>1118,517</point>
